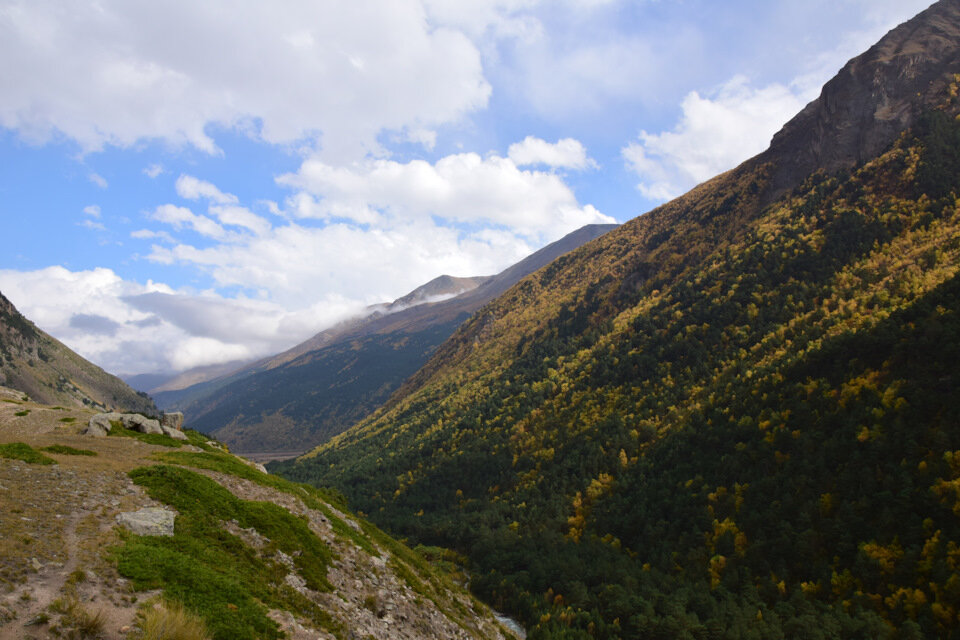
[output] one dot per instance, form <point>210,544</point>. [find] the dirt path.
<point>46,587</point>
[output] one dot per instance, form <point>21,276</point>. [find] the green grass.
<point>20,414</point>
<point>214,573</point>
<point>120,431</point>
<point>68,419</point>
<point>312,497</point>
<point>21,451</point>
<point>64,450</point>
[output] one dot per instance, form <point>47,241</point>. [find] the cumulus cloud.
<point>128,327</point>
<point>459,188</point>
<point>108,73</point>
<point>181,217</point>
<point>92,210</point>
<point>565,154</point>
<point>193,188</point>
<point>715,133</point>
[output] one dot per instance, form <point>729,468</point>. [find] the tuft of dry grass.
<point>76,622</point>
<point>170,621</point>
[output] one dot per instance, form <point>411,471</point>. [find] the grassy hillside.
<point>733,417</point>
<point>250,556</point>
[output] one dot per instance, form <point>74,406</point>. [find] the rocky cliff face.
<point>35,363</point>
<point>878,94</point>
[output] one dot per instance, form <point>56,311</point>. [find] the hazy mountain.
<point>46,370</point>
<point>734,416</point>
<point>315,390</point>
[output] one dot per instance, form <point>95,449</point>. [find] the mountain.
<point>40,366</point>
<point>143,536</point>
<point>304,396</point>
<point>734,416</point>
<point>185,387</point>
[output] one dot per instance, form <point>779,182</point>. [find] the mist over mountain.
<point>734,416</point>
<point>299,398</point>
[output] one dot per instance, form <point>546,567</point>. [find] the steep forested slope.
<point>736,416</point>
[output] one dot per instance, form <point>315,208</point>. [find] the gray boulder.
<point>95,429</point>
<point>151,521</point>
<point>99,425</point>
<point>174,420</point>
<point>137,422</point>
<point>173,433</point>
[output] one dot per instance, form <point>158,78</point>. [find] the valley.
<point>733,416</point>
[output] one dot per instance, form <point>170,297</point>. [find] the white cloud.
<point>459,188</point>
<point>424,137</point>
<point>127,327</point>
<point>109,73</point>
<point>237,216</point>
<point>714,134</point>
<point>149,234</point>
<point>98,180</point>
<point>94,226</point>
<point>373,230</point>
<point>181,217</point>
<point>566,153</point>
<point>92,210</point>
<point>153,170</point>
<point>193,189</point>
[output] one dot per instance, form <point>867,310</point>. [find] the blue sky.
<point>192,183</point>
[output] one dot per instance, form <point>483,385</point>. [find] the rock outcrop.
<point>151,521</point>
<point>100,425</point>
<point>877,95</point>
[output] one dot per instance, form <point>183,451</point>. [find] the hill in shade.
<point>40,366</point>
<point>734,416</point>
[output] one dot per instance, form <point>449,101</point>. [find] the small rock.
<point>151,521</point>
<point>295,581</point>
<point>36,564</point>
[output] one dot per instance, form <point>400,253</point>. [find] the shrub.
<point>170,621</point>
<point>21,451</point>
<point>64,450</point>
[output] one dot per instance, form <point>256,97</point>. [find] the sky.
<point>190,183</point>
